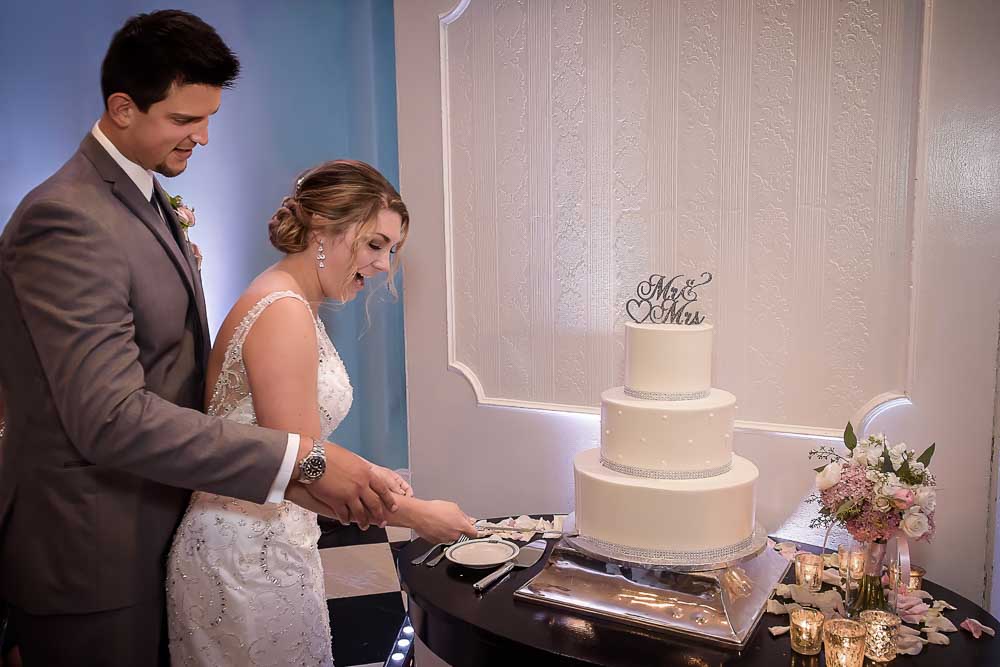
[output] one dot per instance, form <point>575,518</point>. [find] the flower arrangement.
<point>877,490</point>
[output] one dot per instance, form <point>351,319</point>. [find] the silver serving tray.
<point>721,606</point>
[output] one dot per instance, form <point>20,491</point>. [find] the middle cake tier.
<point>667,439</point>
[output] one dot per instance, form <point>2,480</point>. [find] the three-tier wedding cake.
<point>665,486</point>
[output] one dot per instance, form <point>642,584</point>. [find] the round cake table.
<point>464,628</point>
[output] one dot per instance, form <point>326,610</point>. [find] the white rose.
<point>829,476</point>
<point>896,454</point>
<point>927,498</point>
<point>862,455</point>
<point>917,467</point>
<point>914,524</point>
<point>882,503</point>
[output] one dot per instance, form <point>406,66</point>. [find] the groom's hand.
<point>351,489</point>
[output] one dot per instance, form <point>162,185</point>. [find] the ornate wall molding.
<point>588,143</point>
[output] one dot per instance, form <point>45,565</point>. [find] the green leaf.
<point>925,458</point>
<point>821,468</point>
<point>886,462</point>
<point>850,439</point>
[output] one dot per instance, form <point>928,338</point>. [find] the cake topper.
<point>663,301</point>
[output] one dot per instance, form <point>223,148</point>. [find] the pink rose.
<point>902,499</point>
<point>185,216</point>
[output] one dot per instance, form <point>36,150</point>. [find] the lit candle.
<point>881,628</point>
<point>845,643</point>
<point>916,576</point>
<point>807,631</point>
<point>856,565</point>
<point>809,571</point>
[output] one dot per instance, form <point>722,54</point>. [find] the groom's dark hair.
<point>153,51</point>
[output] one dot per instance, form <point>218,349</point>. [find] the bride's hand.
<point>392,479</point>
<point>441,521</point>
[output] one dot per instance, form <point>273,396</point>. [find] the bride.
<point>244,581</point>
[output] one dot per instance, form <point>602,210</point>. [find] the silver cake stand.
<point>717,602</point>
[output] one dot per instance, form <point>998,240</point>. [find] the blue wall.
<point>318,83</point>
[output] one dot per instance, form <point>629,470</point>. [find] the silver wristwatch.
<point>313,465</point>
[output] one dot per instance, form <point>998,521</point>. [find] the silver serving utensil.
<point>526,557</point>
<point>437,559</point>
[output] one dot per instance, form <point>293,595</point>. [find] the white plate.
<point>481,554</point>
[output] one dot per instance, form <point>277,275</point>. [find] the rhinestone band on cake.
<point>681,561</point>
<point>673,396</point>
<point>651,473</point>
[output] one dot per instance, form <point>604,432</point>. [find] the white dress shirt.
<point>143,179</point>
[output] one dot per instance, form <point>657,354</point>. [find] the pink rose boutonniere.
<point>185,216</point>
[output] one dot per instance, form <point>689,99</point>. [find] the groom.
<point>104,344</point>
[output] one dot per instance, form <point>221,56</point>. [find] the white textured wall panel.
<point>589,144</point>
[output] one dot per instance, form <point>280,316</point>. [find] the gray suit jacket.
<point>103,346</point>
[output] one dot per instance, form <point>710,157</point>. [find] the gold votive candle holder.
<point>881,628</point>
<point>845,643</point>
<point>806,631</point>
<point>916,576</point>
<point>856,564</point>
<point>809,571</point>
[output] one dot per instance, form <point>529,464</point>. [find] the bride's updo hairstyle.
<point>332,197</point>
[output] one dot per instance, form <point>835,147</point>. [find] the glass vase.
<point>870,594</point>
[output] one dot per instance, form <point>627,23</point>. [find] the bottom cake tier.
<point>652,517</point>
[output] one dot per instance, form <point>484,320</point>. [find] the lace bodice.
<point>232,398</point>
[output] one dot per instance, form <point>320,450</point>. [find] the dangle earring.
<point>321,255</point>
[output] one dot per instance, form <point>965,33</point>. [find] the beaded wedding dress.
<point>244,581</point>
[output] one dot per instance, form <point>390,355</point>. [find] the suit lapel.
<point>127,191</point>
<point>192,266</point>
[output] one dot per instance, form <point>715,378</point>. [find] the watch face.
<point>313,467</point>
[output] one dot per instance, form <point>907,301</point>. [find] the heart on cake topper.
<point>662,301</point>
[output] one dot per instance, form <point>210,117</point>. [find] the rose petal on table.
<point>781,590</point>
<point>941,604</point>
<point>907,630</point>
<point>909,645</point>
<point>831,577</point>
<point>775,607</point>
<point>778,630</point>
<point>941,624</point>
<point>906,602</point>
<point>976,628</point>
<point>916,614</point>
<point>937,638</point>
<point>826,601</point>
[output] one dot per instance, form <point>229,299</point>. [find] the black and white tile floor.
<point>363,593</point>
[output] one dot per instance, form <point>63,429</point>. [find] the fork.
<point>437,559</point>
<point>420,559</point>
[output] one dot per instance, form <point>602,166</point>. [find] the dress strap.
<point>235,349</point>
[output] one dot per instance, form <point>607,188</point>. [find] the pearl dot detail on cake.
<point>619,412</point>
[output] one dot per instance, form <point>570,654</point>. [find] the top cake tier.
<point>668,361</point>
